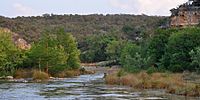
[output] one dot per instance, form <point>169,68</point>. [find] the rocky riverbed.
<point>84,87</point>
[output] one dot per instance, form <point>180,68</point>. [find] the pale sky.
<point>13,8</point>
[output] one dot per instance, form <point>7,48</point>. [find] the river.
<point>84,87</point>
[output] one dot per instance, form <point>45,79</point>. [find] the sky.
<point>13,8</point>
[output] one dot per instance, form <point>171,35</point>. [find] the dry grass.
<point>173,83</point>
<point>23,73</point>
<point>39,75</point>
<point>67,73</point>
<point>35,74</point>
<point>72,73</point>
<point>112,79</point>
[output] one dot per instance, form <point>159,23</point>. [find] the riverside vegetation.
<point>149,57</point>
<point>161,62</point>
<point>54,54</point>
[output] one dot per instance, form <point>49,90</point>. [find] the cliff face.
<point>186,14</point>
<point>17,40</point>
<point>20,42</point>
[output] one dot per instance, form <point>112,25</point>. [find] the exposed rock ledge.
<point>18,41</point>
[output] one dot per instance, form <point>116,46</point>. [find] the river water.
<point>84,87</point>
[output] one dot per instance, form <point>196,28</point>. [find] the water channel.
<point>84,87</point>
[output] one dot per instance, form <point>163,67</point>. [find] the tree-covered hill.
<point>94,33</point>
<point>80,26</point>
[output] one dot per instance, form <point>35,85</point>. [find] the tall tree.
<point>70,47</point>
<point>47,53</point>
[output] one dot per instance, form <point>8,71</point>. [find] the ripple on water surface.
<point>84,87</point>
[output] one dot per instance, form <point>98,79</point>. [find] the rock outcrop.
<point>17,40</point>
<point>187,14</point>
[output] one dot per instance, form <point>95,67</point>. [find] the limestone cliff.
<point>187,14</point>
<point>17,40</point>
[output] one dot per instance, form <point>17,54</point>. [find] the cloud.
<point>150,7</point>
<point>23,10</point>
<point>122,5</point>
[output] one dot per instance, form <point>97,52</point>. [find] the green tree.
<point>156,46</point>
<point>130,58</point>
<point>10,56</point>
<point>176,57</point>
<point>47,53</point>
<point>132,32</point>
<point>113,49</point>
<point>96,48</point>
<point>70,47</point>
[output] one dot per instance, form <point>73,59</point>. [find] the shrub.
<point>151,70</point>
<point>195,56</point>
<point>176,57</point>
<point>155,47</point>
<point>57,69</point>
<point>130,58</point>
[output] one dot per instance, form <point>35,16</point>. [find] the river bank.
<point>83,87</point>
<point>173,83</point>
<point>34,75</point>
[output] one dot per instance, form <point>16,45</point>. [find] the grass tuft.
<point>39,75</point>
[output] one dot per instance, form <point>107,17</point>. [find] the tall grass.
<point>72,73</point>
<point>39,75</point>
<point>23,73</point>
<point>172,83</point>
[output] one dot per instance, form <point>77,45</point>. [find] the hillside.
<point>16,39</point>
<point>93,32</point>
<point>30,28</point>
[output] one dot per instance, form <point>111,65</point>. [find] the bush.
<point>195,56</point>
<point>57,69</point>
<point>130,58</point>
<point>155,47</point>
<point>151,70</point>
<point>177,56</point>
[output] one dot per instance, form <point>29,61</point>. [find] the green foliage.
<point>168,49</point>
<point>94,27</point>
<point>56,51</point>
<point>195,56</point>
<point>113,49</point>
<point>132,32</point>
<point>156,46</point>
<point>95,49</point>
<point>47,53</point>
<point>70,48</point>
<point>58,68</point>
<point>151,70</point>
<point>130,58</point>
<point>10,56</point>
<point>30,28</point>
<point>177,56</point>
